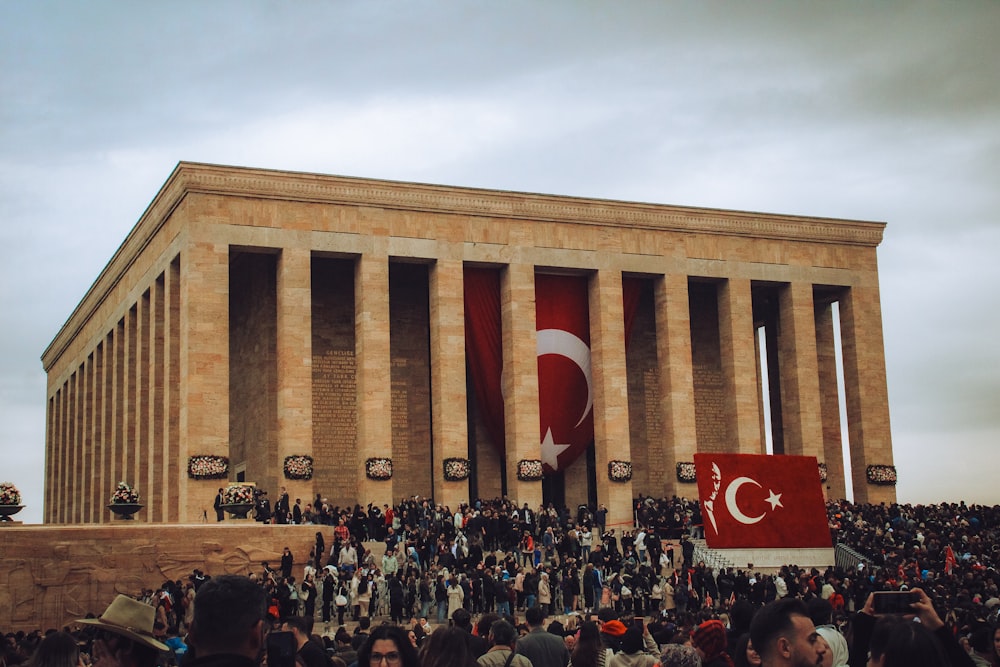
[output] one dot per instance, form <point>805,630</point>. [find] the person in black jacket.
<point>309,652</point>
<point>228,627</point>
<point>477,645</point>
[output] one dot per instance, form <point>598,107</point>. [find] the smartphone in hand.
<point>894,602</point>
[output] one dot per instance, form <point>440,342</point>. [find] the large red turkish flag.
<point>751,500</point>
<point>565,385</point>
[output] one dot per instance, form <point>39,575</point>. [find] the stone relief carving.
<point>51,576</point>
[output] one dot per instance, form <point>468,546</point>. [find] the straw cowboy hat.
<point>130,619</point>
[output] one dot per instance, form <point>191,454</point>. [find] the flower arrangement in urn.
<point>9,495</point>
<point>238,494</point>
<point>124,495</point>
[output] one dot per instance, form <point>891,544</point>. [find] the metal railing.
<point>847,559</point>
<point>712,558</point>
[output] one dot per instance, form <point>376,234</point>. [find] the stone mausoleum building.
<point>388,339</point>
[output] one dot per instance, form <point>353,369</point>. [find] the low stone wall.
<point>51,575</point>
<point>771,560</point>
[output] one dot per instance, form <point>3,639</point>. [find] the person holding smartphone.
<point>638,649</point>
<point>894,639</point>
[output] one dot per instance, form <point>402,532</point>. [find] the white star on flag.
<point>774,499</point>
<point>551,451</point>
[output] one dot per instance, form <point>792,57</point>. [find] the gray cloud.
<point>884,111</point>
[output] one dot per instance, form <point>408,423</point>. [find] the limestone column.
<point>673,359</point>
<point>108,419</point>
<point>100,447</point>
<point>88,497</point>
<point>130,442</point>
<point>51,447</point>
<point>76,461</point>
<point>157,386</point>
<point>866,391</point>
<point>294,323</point>
<point>736,347</point>
<point>204,367</point>
<point>119,401</point>
<point>371,323</point>
<point>176,465</point>
<point>449,420</point>
<point>520,378</point>
<point>610,382</point>
<point>66,447</point>
<point>143,443</point>
<point>826,355</point>
<point>799,368</point>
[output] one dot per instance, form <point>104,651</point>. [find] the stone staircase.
<point>711,557</point>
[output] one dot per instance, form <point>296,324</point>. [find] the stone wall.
<point>51,575</point>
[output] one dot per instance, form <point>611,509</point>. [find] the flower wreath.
<point>685,472</point>
<point>456,469</point>
<point>378,468</point>
<point>298,466</point>
<point>619,471</point>
<point>9,495</point>
<point>208,466</point>
<point>881,475</point>
<point>124,495</point>
<point>529,470</point>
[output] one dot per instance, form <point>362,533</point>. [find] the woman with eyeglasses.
<point>388,646</point>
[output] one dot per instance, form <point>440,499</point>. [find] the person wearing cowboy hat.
<point>125,635</point>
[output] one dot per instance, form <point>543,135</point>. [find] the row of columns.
<point>120,415</point>
<point>116,417</point>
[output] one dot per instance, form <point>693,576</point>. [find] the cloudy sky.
<point>885,111</point>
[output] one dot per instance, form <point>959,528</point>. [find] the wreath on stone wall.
<point>456,469</point>
<point>619,471</point>
<point>208,466</point>
<point>881,475</point>
<point>529,470</point>
<point>685,472</point>
<point>378,468</point>
<point>298,466</point>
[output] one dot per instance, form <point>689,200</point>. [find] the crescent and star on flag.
<point>773,499</point>
<point>570,346</point>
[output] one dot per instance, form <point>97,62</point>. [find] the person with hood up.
<point>710,640</point>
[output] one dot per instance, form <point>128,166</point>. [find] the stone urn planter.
<point>238,510</point>
<point>6,511</point>
<point>125,511</point>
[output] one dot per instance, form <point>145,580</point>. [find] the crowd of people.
<point>628,596</point>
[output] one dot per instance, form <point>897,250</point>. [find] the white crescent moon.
<point>565,344</point>
<point>731,490</point>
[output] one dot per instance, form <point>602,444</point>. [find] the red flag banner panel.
<point>483,347</point>
<point>565,383</point>
<point>757,501</point>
